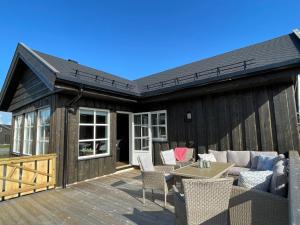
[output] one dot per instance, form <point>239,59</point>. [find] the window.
<point>298,98</point>
<point>43,131</point>
<point>17,134</point>
<point>28,133</point>
<point>94,133</point>
<point>159,125</point>
<point>141,134</point>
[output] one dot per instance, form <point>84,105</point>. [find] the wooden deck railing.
<point>294,188</point>
<point>25,175</point>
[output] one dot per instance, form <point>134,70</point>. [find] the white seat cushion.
<point>235,171</point>
<point>146,163</point>
<point>259,180</point>
<point>208,157</point>
<point>168,157</point>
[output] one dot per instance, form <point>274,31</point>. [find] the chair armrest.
<point>180,210</point>
<point>154,180</point>
<point>254,207</point>
<point>164,169</point>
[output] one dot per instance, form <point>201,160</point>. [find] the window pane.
<point>154,119</point>
<point>137,144</point>
<point>101,147</point>
<point>137,131</point>
<point>86,132</point>
<point>154,132</point>
<point>101,117</point>
<point>145,131</point>
<point>86,148</point>
<point>162,118</point>
<point>162,132</point>
<point>45,147</point>
<point>44,116</point>
<point>101,132</point>
<point>86,116</point>
<point>145,144</point>
<point>145,119</point>
<point>137,119</point>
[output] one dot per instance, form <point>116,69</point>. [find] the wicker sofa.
<point>246,206</point>
<point>253,207</point>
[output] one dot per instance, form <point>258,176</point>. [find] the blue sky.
<point>133,38</point>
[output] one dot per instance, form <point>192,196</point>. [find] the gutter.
<point>95,94</point>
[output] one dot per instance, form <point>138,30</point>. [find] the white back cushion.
<point>208,157</point>
<point>168,157</point>
<point>145,163</point>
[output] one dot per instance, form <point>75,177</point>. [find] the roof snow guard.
<point>218,71</point>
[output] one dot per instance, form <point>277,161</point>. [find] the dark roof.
<point>72,71</point>
<point>271,54</point>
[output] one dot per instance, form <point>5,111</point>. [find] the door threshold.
<point>123,167</point>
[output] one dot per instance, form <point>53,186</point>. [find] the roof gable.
<point>24,57</point>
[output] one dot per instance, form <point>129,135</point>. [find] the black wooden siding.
<point>79,170</point>
<point>262,118</point>
<point>29,89</point>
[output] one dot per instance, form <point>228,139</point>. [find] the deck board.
<point>114,199</point>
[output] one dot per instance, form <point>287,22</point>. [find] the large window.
<point>159,125</point>
<point>43,131</point>
<point>94,133</point>
<point>28,133</point>
<point>17,134</point>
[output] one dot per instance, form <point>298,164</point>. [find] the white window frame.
<point>298,98</point>
<point>107,125</point>
<point>38,135</point>
<point>159,125</point>
<point>28,128</point>
<point>17,130</point>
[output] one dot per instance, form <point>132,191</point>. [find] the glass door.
<point>142,140</point>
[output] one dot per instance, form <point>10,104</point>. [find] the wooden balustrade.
<point>25,175</point>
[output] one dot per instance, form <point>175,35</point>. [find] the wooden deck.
<point>114,199</point>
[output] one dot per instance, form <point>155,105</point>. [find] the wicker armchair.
<point>253,207</point>
<point>155,177</point>
<point>189,158</point>
<point>205,201</point>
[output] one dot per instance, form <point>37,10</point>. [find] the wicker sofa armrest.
<point>180,208</point>
<point>154,180</point>
<point>253,207</point>
<point>164,169</point>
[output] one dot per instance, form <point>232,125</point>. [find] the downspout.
<point>69,108</point>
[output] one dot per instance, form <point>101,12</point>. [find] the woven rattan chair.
<point>206,201</point>
<point>155,177</point>
<point>253,207</point>
<point>189,158</point>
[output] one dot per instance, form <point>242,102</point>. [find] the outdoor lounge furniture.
<point>155,177</point>
<point>168,158</point>
<point>243,160</point>
<point>254,207</point>
<point>204,202</point>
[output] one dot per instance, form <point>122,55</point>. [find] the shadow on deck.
<point>114,199</point>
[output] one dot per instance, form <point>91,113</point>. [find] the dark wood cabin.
<point>94,121</point>
<point>5,134</point>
